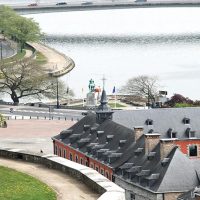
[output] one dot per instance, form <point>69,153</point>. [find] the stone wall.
<point>88,176</point>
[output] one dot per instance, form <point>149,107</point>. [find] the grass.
<point>19,186</point>
<point>118,105</point>
<point>40,58</point>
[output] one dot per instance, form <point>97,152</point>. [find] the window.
<point>64,153</point>
<point>149,122</point>
<point>81,160</point>
<point>102,171</point>
<point>91,165</point>
<point>76,158</point>
<point>173,134</point>
<point>97,169</point>
<point>87,163</point>
<point>60,152</point>
<point>107,175</point>
<point>56,150</point>
<point>132,196</point>
<point>186,120</point>
<point>193,150</point>
<point>70,157</point>
<point>192,133</point>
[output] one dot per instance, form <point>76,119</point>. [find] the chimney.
<point>151,140</point>
<point>166,145</point>
<point>138,132</point>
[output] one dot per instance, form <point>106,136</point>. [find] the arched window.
<point>193,150</point>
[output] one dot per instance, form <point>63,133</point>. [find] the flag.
<point>113,90</point>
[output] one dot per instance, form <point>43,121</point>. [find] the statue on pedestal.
<point>90,100</point>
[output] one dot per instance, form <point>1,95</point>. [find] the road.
<point>41,113</point>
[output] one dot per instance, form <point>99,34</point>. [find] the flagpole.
<point>83,97</point>
<point>115,101</point>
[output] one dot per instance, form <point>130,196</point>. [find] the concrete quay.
<point>57,64</point>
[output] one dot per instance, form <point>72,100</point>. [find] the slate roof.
<point>113,144</point>
<point>163,120</point>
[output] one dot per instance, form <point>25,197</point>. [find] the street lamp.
<point>1,48</point>
<point>57,95</point>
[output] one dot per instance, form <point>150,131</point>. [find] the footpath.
<point>57,64</point>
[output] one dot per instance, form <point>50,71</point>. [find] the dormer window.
<point>186,120</point>
<point>149,122</point>
<point>171,133</point>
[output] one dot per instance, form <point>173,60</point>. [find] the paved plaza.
<point>32,135</point>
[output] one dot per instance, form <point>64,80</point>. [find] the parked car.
<point>61,3</point>
<point>33,4</point>
<point>86,3</point>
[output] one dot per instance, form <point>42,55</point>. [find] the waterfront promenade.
<point>57,64</point>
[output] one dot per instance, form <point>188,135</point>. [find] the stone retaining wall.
<point>88,176</point>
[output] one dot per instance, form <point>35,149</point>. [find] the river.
<point>162,42</point>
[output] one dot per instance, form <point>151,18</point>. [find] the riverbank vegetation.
<point>18,28</point>
<point>17,185</point>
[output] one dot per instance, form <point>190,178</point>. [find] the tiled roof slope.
<point>163,120</point>
<point>114,145</point>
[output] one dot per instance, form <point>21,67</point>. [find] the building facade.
<point>148,152</point>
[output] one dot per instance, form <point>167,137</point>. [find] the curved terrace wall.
<point>88,176</point>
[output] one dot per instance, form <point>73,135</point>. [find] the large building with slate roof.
<point>146,160</point>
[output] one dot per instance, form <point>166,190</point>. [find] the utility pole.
<point>1,50</point>
<point>57,95</point>
<point>148,98</point>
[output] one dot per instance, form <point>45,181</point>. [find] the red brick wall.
<point>184,146</point>
<point>105,170</point>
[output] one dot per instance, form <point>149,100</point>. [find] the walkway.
<point>58,64</point>
<point>32,135</point>
<point>66,187</point>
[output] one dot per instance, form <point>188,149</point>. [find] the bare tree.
<point>143,86</point>
<point>25,78</point>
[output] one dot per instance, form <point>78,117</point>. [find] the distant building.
<point>142,151</point>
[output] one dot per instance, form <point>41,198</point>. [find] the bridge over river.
<point>85,6</point>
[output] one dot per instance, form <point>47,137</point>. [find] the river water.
<point>163,42</point>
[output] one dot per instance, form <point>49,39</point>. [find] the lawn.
<point>40,58</point>
<point>118,105</point>
<point>19,186</point>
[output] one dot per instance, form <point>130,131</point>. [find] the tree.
<point>22,79</point>
<point>17,27</point>
<point>142,86</point>
<point>179,100</point>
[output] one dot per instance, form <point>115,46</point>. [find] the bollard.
<point>58,118</point>
<point>15,117</point>
<point>22,117</point>
<point>52,117</point>
<point>45,117</point>
<point>65,119</point>
<point>37,117</point>
<point>30,117</point>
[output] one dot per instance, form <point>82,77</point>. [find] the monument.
<point>90,100</point>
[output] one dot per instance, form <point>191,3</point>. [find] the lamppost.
<point>1,48</point>
<point>57,95</point>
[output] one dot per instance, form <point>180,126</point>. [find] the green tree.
<point>17,27</point>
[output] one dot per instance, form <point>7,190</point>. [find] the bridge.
<point>87,6</point>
